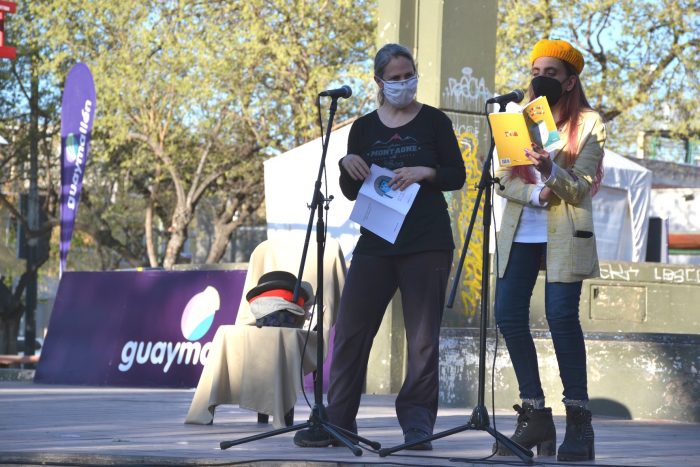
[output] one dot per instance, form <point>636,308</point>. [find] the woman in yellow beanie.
<point>548,221</point>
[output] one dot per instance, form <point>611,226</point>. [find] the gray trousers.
<point>370,285</point>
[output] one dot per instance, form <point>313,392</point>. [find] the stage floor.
<point>59,425</point>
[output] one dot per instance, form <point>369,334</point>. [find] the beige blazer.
<point>571,245</point>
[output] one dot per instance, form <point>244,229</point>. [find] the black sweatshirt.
<point>428,140</point>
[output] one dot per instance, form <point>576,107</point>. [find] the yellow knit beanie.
<point>558,49</point>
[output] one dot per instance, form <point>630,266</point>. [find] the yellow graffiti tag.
<point>463,206</point>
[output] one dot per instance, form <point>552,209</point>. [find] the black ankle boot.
<point>535,428</point>
<point>578,442</point>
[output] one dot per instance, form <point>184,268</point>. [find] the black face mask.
<point>551,88</point>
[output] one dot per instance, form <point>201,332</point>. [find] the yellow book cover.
<point>513,132</point>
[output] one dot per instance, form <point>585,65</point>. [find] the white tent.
<point>621,209</point>
<point>289,185</point>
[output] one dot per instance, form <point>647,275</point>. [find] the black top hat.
<point>277,280</point>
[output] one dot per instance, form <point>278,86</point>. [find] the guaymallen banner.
<point>77,114</point>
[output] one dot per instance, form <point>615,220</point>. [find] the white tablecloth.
<point>256,368</point>
<point>259,368</point>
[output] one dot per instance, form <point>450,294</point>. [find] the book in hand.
<point>380,209</point>
<point>513,132</point>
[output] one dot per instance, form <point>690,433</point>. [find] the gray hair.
<point>387,53</point>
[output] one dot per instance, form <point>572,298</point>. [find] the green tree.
<point>641,58</point>
<point>28,103</point>
<point>191,98</point>
<point>287,52</point>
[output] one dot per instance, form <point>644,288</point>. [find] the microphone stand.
<point>318,419</point>
<point>480,417</point>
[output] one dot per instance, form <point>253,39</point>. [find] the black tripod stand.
<point>318,419</point>
<point>480,416</point>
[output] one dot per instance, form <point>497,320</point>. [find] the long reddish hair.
<point>572,105</point>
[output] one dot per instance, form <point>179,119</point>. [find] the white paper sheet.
<point>380,209</point>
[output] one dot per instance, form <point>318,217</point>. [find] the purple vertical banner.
<point>77,114</point>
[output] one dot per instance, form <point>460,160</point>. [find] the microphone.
<point>343,92</point>
<point>514,96</point>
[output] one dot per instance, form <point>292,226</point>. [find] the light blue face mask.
<point>400,93</point>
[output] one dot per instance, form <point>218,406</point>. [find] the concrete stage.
<point>59,425</point>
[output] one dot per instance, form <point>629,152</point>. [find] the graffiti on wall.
<point>464,206</point>
<point>670,273</point>
<point>619,272</point>
<point>465,97</point>
<point>466,93</point>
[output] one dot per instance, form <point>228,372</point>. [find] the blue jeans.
<point>513,293</point>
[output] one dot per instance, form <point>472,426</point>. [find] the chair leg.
<point>288,417</point>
